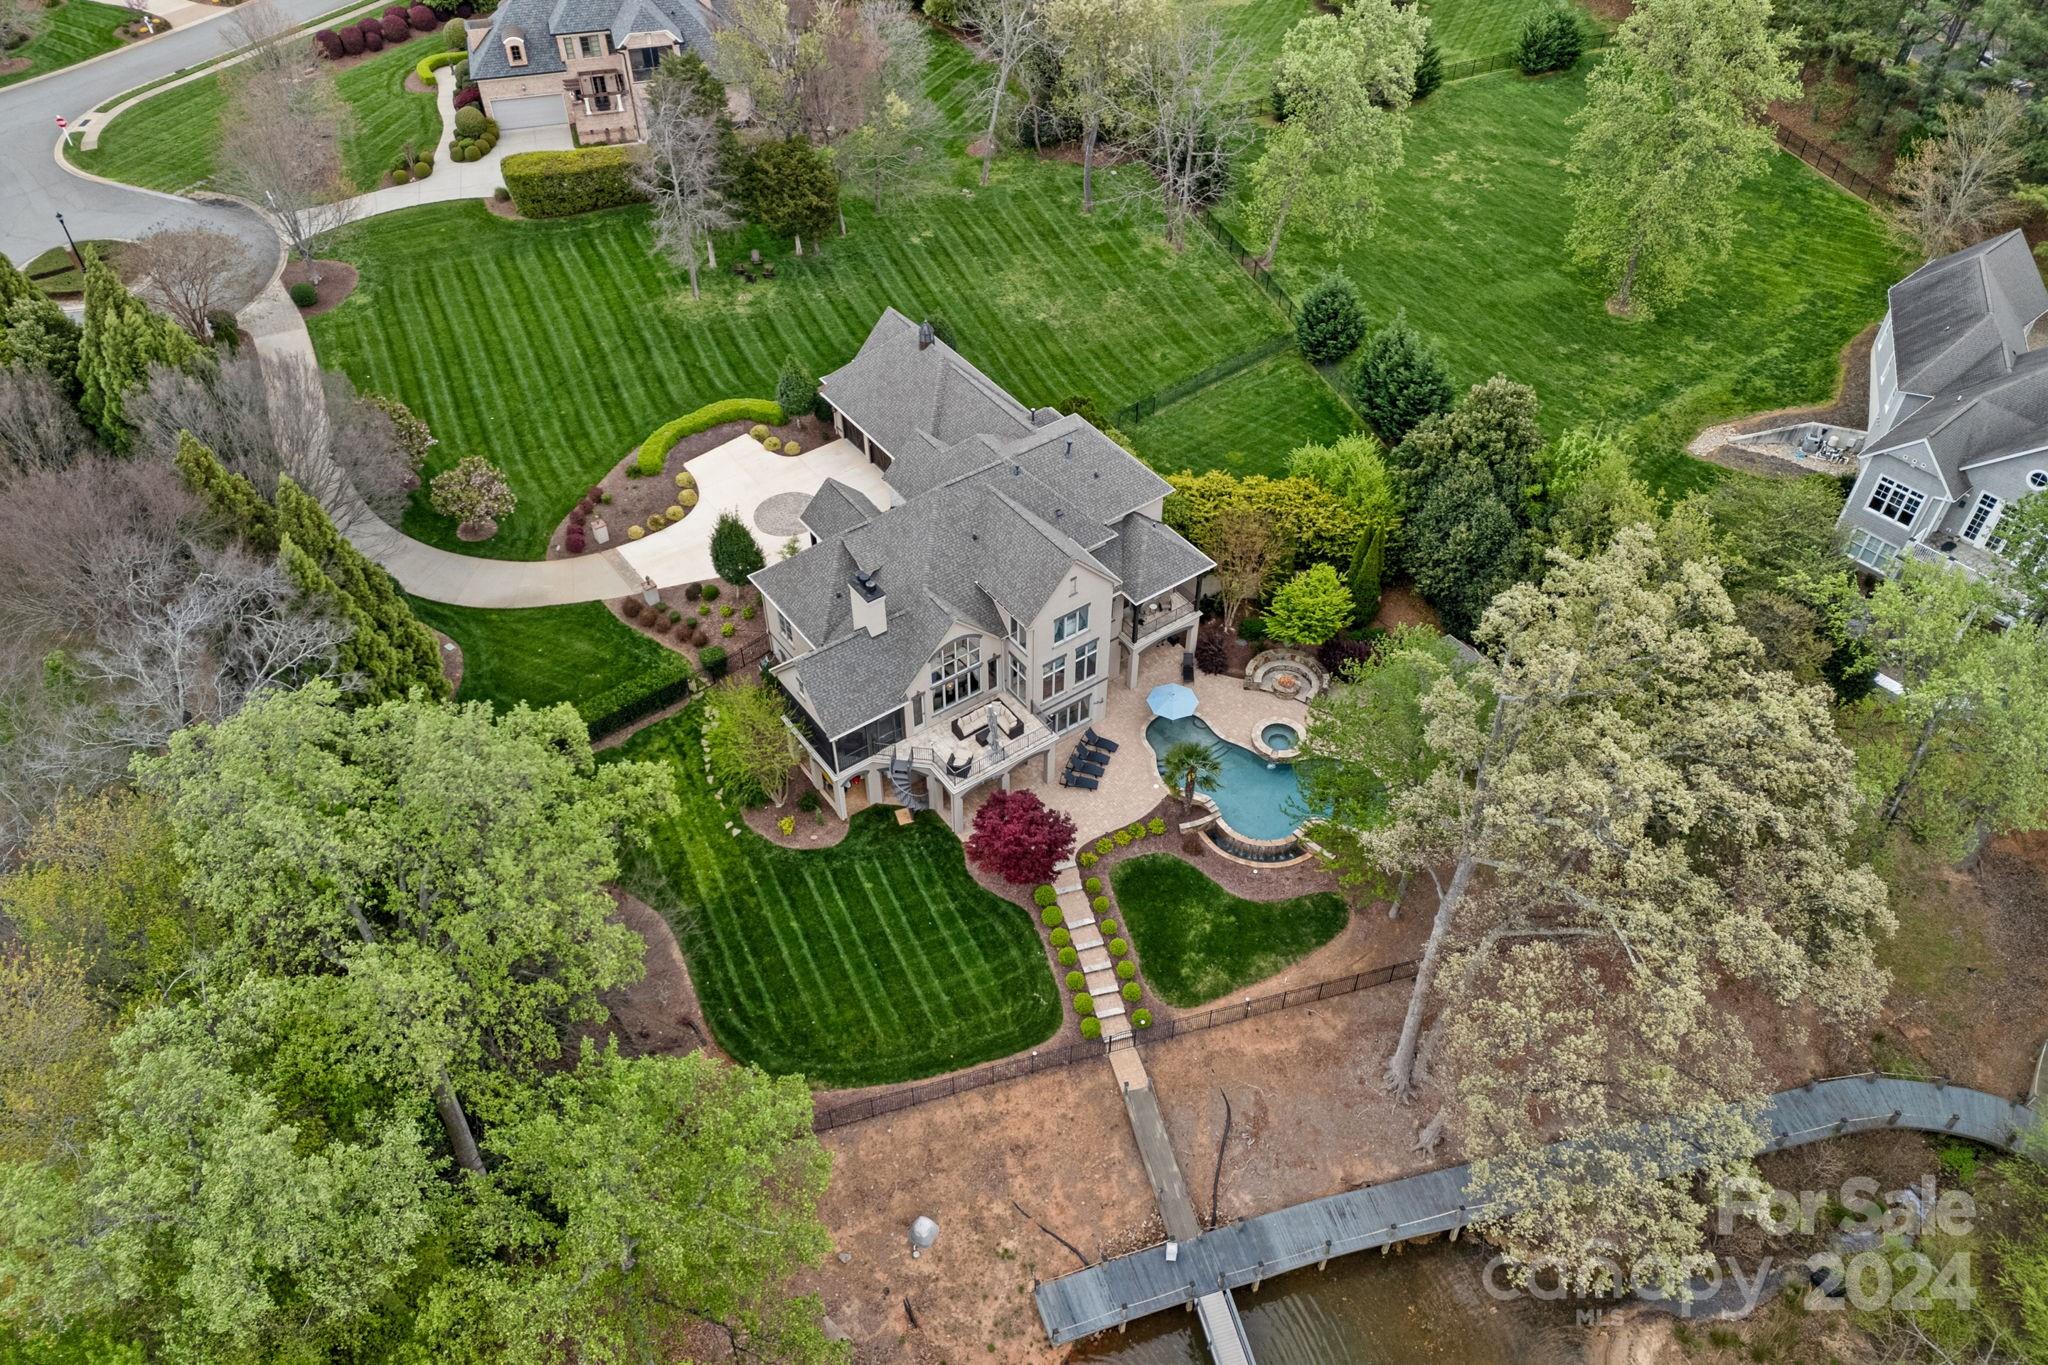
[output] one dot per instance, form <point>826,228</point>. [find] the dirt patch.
<point>1058,1144</point>
<point>658,1014</point>
<point>10,65</point>
<point>473,532</point>
<point>337,281</point>
<point>451,662</point>
<point>1611,11</point>
<point>504,208</point>
<point>1401,605</point>
<point>415,86</point>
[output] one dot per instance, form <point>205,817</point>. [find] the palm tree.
<point>1190,763</point>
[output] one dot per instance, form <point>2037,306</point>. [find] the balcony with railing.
<point>980,742</point>
<point>1147,622</point>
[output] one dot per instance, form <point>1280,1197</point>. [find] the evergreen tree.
<point>1368,565</point>
<point>796,390</point>
<point>1429,71</point>
<point>408,656</point>
<point>231,497</point>
<point>1464,545</point>
<point>1399,380</point>
<point>34,331</point>
<point>121,339</point>
<point>1331,323</point>
<point>734,551</point>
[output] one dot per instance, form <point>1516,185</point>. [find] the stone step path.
<point>1095,962</point>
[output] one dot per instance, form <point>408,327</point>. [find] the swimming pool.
<point>1258,798</point>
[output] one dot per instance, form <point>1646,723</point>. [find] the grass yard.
<point>486,328</point>
<point>56,270</point>
<point>1198,942</point>
<point>171,141</point>
<point>1465,29</point>
<point>1248,422</point>
<point>540,655</point>
<point>72,32</point>
<point>1260,25</point>
<point>876,960</point>
<point>386,116</point>
<point>1471,244</point>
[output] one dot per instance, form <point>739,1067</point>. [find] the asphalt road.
<point>34,189</point>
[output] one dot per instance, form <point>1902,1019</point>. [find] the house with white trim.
<point>1958,411</point>
<point>579,65</point>
<point>934,646</point>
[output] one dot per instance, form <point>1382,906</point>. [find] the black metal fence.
<point>857,1109</point>
<point>1132,413</point>
<point>1833,167</point>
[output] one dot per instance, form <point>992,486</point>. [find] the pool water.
<point>1281,737</point>
<point>1258,798</point>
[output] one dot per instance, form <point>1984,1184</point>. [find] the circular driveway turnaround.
<point>34,188</point>
<point>783,514</point>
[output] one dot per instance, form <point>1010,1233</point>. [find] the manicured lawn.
<point>1197,941</point>
<point>1484,28</point>
<point>56,270</point>
<point>171,140</point>
<point>1260,25</point>
<point>70,33</point>
<point>876,960</point>
<point>553,347</point>
<point>1471,244</point>
<point>386,116</point>
<point>540,655</point>
<point>1247,423</point>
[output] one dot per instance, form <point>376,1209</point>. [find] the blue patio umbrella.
<point>1172,701</point>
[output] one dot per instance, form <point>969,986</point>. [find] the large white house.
<point>1020,570</point>
<point>1958,411</point>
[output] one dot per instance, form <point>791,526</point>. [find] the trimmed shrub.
<point>1141,1018</point>
<point>635,532</point>
<point>772,445</point>
<point>1093,886</point>
<point>674,511</point>
<point>1126,969</point>
<point>1133,992</point>
<point>656,522</point>
<point>1051,917</point>
<point>457,35</point>
<point>1108,926</point>
<point>469,123</point>
<point>351,41</point>
<point>373,37</point>
<point>329,43</point>
<point>1136,829</point>
<point>726,631</point>
<point>499,196</point>
<point>1123,838</point>
<point>1076,981</point>
<point>1068,957</point>
<point>1061,938</point>
<point>426,66</point>
<point>558,184</point>
<point>1104,845</point>
<point>1550,41</point>
<point>1155,826</point>
<point>792,448</point>
<point>747,613</point>
<point>709,591</point>
<point>1211,654</point>
<point>1084,1004</point>
<point>632,607</point>
<point>1117,947</point>
<point>758,431</point>
<point>467,96</point>
<point>1091,1027</point>
<point>667,680</point>
<point>810,803</point>
<point>401,177</point>
<point>422,169</point>
<point>395,28</point>
<point>692,591</point>
<point>1252,629</point>
<point>1099,904</point>
<point>725,612</point>
<point>795,388</point>
<point>712,660</point>
<point>1087,858</point>
<point>685,479</point>
<point>703,610</point>
<point>1332,322</point>
<point>423,18</point>
<point>304,295</point>
<point>655,448</point>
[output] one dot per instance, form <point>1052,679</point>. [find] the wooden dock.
<point>1246,1254</point>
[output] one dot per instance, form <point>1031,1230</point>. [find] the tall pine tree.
<point>121,340</point>
<point>414,655</point>
<point>231,497</point>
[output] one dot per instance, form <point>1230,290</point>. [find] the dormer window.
<point>515,52</point>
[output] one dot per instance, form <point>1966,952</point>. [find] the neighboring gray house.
<point>947,639</point>
<point>579,63</point>
<point>1958,411</point>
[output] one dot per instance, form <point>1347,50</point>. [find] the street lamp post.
<point>73,245</point>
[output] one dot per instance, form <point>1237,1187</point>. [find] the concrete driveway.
<point>34,189</point>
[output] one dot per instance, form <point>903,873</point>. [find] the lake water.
<point>1424,1306</point>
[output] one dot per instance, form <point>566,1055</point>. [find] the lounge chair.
<point>1090,766</point>
<point>959,767</point>
<point>1108,746</point>
<point>1071,779</point>
<point>1014,728</point>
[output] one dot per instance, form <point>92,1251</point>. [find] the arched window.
<point>956,672</point>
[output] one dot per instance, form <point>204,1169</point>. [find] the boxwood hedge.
<point>558,184</point>
<point>655,448</point>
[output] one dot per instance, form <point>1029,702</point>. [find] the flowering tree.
<point>1017,837</point>
<point>475,493</point>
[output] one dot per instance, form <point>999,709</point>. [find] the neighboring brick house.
<point>1958,411</point>
<point>579,63</point>
<point>1019,572</point>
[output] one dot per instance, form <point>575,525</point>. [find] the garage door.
<point>534,111</point>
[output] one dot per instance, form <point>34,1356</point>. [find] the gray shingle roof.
<point>1152,557</point>
<point>1960,320</point>
<point>546,20</point>
<point>893,390</point>
<point>836,509</point>
<point>2000,416</point>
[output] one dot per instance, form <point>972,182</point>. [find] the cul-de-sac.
<point>910,682</point>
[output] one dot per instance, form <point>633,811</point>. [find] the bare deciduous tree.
<point>282,416</point>
<point>1183,112</point>
<point>1245,547</point>
<point>1009,31</point>
<point>282,154</point>
<point>19,21</point>
<point>39,428</point>
<point>767,48</point>
<point>679,169</point>
<point>1957,186</point>
<point>188,272</point>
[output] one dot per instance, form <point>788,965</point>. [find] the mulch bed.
<point>658,1015</point>
<point>451,661</point>
<point>707,618</point>
<point>337,282</point>
<point>10,65</point>
<point>815,829</point>
<point>415,86</point>
<point>505,208</point>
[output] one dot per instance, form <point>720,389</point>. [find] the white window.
<point>1983,517</point>
<point>1070,625</point>
<point>1084,662</point>
<point>956,672</point>
<point>1020,632</point>
<point>515,52</point>
<point>1020,686</point>
<point>1872,552</point>
<point>1052,679</point>
<point>1895,501</point>
<point>1068,716</point>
